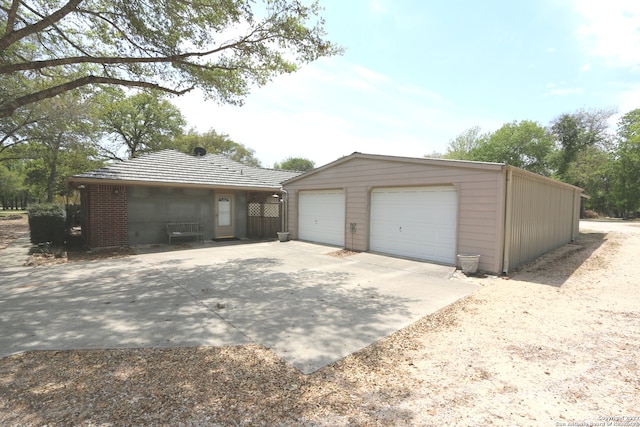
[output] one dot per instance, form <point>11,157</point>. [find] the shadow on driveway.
<point>310,308</point>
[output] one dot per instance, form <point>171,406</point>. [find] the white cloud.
<point>332,108</point>
<point>611,30</point>
<point>379,6</point>
<point>561,89</point>
<point>585,68</point>
<point>395,14</point>
<point>567,91</point>
<point>629,98</point>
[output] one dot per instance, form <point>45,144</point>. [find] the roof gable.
<point>354,158</point>
<point>172,167</point>
<point>398,159</point>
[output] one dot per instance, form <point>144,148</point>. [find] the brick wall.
<point>106,216</point>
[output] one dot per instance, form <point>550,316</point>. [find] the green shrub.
<point>47,224</point>
<point>73,215</point>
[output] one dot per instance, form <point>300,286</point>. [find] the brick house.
<point>130,202</point>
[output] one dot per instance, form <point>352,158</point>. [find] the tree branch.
<point>256,36</point>
<point>49,63</point>
<point>123,33</point>
<point>11,37</point>
<point>8,108</point>
<point>11,16</point>
<point>11,133</point>
<point>4,147</point>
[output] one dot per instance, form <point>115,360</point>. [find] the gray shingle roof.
<point>173,167</point>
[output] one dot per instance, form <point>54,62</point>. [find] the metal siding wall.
<point>577,199</point>
<point>480,208</point>
<point>542,218</point>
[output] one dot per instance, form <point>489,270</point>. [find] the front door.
<point>224,215</point>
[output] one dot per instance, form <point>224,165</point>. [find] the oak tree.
<point>462,146</point>
<point>524,144</point>
<point>573,134</point>
<point>299,164</point>
<point>626,185</point>
<point>215,143</point>
<point>220,46</point>
<point>136,124</point>
<point>60,145</point>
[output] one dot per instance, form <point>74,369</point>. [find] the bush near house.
<point>74,213</point>
<point>589,214</point>
<point>47,224</point>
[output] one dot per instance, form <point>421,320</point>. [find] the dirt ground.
<point>557,343</point>
<point>14,226</point>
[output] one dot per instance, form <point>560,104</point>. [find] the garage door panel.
<point>321,216</point>
<point>415,222</point>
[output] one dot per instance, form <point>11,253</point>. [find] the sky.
<point>416,74</point>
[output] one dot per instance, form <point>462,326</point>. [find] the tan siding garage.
<point>321,216</point>
<point>415,222</point>
<point>541,215</point>
<point>449,207</point>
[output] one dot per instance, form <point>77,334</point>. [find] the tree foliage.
<point>136,124</point>
<point>220,46</point>
<point>463,146</point>
<point>213,142</point>
<point>15,128</point>
<point>626,168</point>
<point>578,148</point>
<point>12,191</point>
<point>60,145</point>
<point>299,164</point>
<point>44,143</point>
<point>592,171</point>
<point>574,133</point>
<point>524,144</point>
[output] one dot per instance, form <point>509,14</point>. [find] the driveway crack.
<point>213,310</point>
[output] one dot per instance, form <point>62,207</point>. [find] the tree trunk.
<point>51,183</point>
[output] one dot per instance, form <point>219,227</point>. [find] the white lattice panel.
<point>271,210</point>
<point>254,209</point>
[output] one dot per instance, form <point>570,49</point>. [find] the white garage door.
<point>415,222</point>
<point>321,216</point>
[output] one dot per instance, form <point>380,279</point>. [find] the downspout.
<point>285,209</point>
<point>576,204</point>
<point>507,221</point>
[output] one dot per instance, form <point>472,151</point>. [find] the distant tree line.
<point>81,131</point>
<point>577,148</point>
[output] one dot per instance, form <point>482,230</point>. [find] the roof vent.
<point>199,151</point>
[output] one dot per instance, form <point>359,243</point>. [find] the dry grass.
<point>12,227</point>
<point>556,343</point>
<point>342,253</point>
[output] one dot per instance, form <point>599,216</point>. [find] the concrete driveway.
<point>310,308</point>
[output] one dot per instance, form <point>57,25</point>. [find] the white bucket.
<point>468,263</point>
<point>283,236</point>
